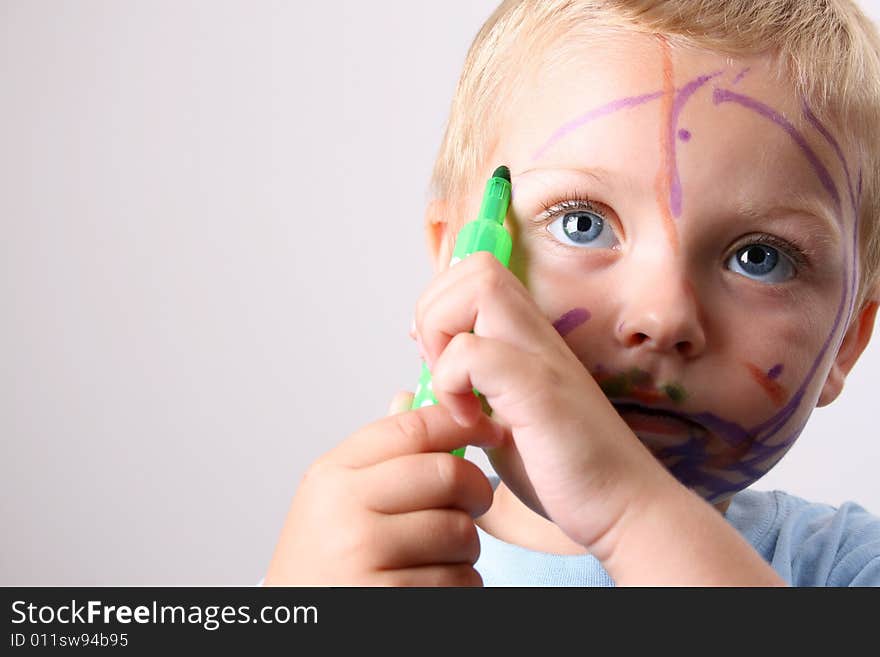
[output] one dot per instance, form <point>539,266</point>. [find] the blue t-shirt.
<point>807,544</point>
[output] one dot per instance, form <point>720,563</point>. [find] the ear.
<point>438,234</point>
<point>854,342</point>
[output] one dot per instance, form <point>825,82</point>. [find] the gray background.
<point>211,248</point>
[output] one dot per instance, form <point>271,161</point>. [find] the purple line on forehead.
<point>681,99</point>
<point>571,320</point>
<point>726,96</point>
<point>741,75</point>
<point>817,124</point>
<point>610,108</point>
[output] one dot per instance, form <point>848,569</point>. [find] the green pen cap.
<point>487,232</point>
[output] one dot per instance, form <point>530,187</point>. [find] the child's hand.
<point>390,506</point>
<point>572,458</point>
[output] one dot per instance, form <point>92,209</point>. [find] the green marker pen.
<point>485,233</point>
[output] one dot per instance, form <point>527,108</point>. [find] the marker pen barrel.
<point>485,233</point>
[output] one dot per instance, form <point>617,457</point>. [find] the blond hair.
<point>828,49</point>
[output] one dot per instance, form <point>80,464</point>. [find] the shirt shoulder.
<point>810,543</point>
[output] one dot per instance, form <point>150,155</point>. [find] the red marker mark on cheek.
<point>767,380</point>
<point>571,320</point>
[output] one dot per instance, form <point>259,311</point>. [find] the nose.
<point>659,312</point>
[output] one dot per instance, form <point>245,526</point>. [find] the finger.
<point>428,429</point>
<point>400,402</point>
<point>458,574</point>
<point>491,302</point>
<point>427,481</point>
<point>527,383</point>
<point>434,536</point>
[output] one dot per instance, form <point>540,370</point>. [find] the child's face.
<point>690,232</point>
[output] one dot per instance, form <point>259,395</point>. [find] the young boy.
<point>695,268</point>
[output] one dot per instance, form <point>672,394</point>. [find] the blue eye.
<point>763,263</point>
<point>584,228</point>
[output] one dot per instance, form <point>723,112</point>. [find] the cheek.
<point>569,300</point>
<point>779,359</point>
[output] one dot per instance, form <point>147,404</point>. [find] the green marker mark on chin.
<point>675,392</point>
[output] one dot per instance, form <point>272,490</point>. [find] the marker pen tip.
<point>502,172</point>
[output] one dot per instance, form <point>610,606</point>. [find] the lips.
<point>657,422</point>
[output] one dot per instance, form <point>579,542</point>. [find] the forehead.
<point>622,103</point>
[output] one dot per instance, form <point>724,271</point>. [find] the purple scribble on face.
<point>727,96</point>
<point>814,121</point>
<point>684,135</point>
<point>571,320</point>
<point>741,75</point>
<point>754,450</point>
<point>750,450</point>
<point>681,99</point>
<point>854,195</point>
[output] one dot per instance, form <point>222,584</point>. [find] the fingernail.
<point>412,329</point>
<point>460,421</point>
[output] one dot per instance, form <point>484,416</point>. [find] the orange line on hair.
<point>775,391</point>
<point>663,182</point>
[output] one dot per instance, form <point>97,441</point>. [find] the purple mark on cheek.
<point>684,135</point>
<point>775,371</point>
<point>571,320</point>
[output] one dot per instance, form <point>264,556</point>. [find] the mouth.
<point>646,421</point>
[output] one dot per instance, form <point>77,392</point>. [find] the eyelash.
<point>794,252</point>
<point>552,208</point>
<point>797,255</point>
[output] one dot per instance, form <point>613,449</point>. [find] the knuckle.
<point>449,472</point>
<point>463,343</point>
<point>355,542</point>
<point>414,429</point>
<point>318,474</point>
<point>419,314</point>
<point>492,276</point>
<point>547,374</point>
<point>484,259</point>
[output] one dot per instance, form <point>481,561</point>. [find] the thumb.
<point>401,402</point>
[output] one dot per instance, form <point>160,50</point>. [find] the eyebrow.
<point>797,203</point>
<point>598,174</point>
